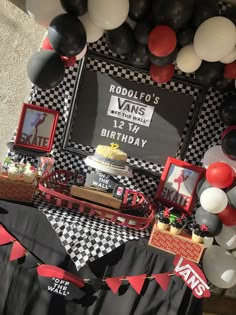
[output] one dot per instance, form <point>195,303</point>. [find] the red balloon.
<point>162,41</point>
<point>69,61</point>
<point>228,216</point>
<point>46,45</point>
<point>226,131</point>
<point>162,74</point>
<point>230,70</point>
<point>220,175</point>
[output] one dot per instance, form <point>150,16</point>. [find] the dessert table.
<point>20,289</point>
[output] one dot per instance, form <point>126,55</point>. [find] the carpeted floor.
<point>20,37</point>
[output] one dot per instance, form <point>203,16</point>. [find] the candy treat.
<point>13,172</point>
<point>163,219</point>
<point>110,155</point>
<point>177,225</point>
<point>199,232</point>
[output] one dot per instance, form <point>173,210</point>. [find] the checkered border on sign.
<point>207,131</point>
<point>103,66</point>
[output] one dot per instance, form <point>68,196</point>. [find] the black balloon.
<point>229,144</point>
<point>212,221</point>
<point>203,10</point>
<point>230,13</point>
<point>139,56</point>
<point>45,69</point>
<point>227,110</point>
<point>163,61</point>
<point>225,85</point>
<point>175,14</point>
<point>139,9</point>
<point>75,7</point>
<point>67,35</point>
<point>231,194</point>
<point>209,73</point>
<point>185,37</point>
<point>121,40</point>
<point>142,31</point>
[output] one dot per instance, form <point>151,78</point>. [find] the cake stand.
<point>110,170</point>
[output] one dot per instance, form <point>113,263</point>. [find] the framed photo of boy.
<point>178,184</point>
<point>36,128</point>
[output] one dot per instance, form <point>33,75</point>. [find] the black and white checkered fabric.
<point>86,238</point>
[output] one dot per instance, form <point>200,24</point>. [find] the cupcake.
<point>163,219</point>
<point>199,232</point>
<point>13,172</point>
<point>176,226</point>
<point>29,174</point>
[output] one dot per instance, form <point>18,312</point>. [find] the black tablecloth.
<point>21,293</point>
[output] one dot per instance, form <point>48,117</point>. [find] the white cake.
<point>110,155</point>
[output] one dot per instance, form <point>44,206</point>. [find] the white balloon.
<point>82,53</point>
<point>108,14</point>
<point>230,57</point>
<point>213,200</point>
<point>93,31</point>
<point>44,11</point>
<point>227,237</point>
<point>187,60</point>
<point>219,267</point>
<point>216,154</point>
<point>215,38</point>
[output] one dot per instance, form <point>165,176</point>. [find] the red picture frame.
<point>178,183</point>
<point>36,128</point>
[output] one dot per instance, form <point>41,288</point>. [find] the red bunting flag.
<point>114,283</point>
<point>163,279</point>
<point>50,271</point>
<point>137,282</point>
<point>17,251</point>
<point>5,237</point>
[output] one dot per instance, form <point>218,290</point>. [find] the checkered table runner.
<point>86,238</point>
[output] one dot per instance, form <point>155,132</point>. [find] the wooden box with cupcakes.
<point>176,197</point>
<point>18,181</point>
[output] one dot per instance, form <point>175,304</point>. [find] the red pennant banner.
<point>192,276</point>
<point>5,237</point>
<point>137,282</point>
<point>56,272</point>
<point>114,283</point>
<point>17,251</point>
<point>163,279</point>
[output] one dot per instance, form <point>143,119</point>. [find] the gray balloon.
<point>211,220</point>
<point>202,185</point>
<point>231,193</point>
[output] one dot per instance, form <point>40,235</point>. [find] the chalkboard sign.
<point>146,121</point>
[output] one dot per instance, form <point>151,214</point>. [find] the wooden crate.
<point>176,244</point>
<point>16,190</point>
<point>98,197</point>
